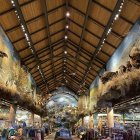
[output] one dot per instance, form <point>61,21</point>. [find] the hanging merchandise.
<point>24,124</point>
<point>12,131</point>
<point>4,134</point>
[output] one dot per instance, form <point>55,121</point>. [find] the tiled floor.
<point>51,137</point>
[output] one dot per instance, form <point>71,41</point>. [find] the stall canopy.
<point>66,42</point>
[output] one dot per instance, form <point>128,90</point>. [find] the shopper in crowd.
<point>20,131</point>
<point>4,134</point>
<point>12,131</point>
<point>73,130</point>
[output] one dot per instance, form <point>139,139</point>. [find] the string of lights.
<point>103,42</point>
<point>67,15</point>
<point>24,29</point>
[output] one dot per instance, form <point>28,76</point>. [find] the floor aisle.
<point>75,138</point>
<point>51,137</point>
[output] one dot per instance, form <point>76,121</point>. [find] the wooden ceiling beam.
<point>38,78</point>
<point>50,78</point>
<point>41,40</point>
<point>44,56</point>
<point>27,22</point>
<point>98,60</point>
<point>43,50</point>
<point>57,74</point>
<point>12,9</point>
<point>78,71</point>
<point>94,64</point>
<point>85,64</point>
<point>58,79</point>
<point>93,34</point>
<point>60,76</point>
<point>89,43</point>
<point>45,67</point>
<point>73,63</point>
<point>59,68</point>
<point>57,56</point>
<point>33,19</point>
<point>69,68</point>
<point>81,73</point>
<point>109,10</point>
<point>66,33</point>
<point>61,57</point>
<point>75,81</point>
<point>69,71</point>
<point>115,11</point>
<point>108,43</point>
<point>39,31</point>
<point>96,22</point>
<point>45,11</point>
<point>102,62</point>
<point>72,85</point>
<point>87,53</point>
<point>55,65</point>
<point>76,45</point>
<point>82,34</point>
<point>71,88</point>
<point>72,70</point>
<point>22,21</point>
<point>75,78</point>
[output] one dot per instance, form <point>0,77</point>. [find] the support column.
<point>40,121</point>
<point>91,123</point>
<point>12,114</point>
<point>123,118</point>
<point>32,119</point>
<point>82,121</point>
<point>110,118</point>
<point>100,124</point>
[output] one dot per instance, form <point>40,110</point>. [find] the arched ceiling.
<point>37,30</point>
<point>62,100</point>
<point>62,97</point>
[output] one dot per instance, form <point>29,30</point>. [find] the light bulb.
<point>12,1</point>
<point>66,37</point>
<point>67,26</point>
<point>65,52</point>
<point>67,14</point>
